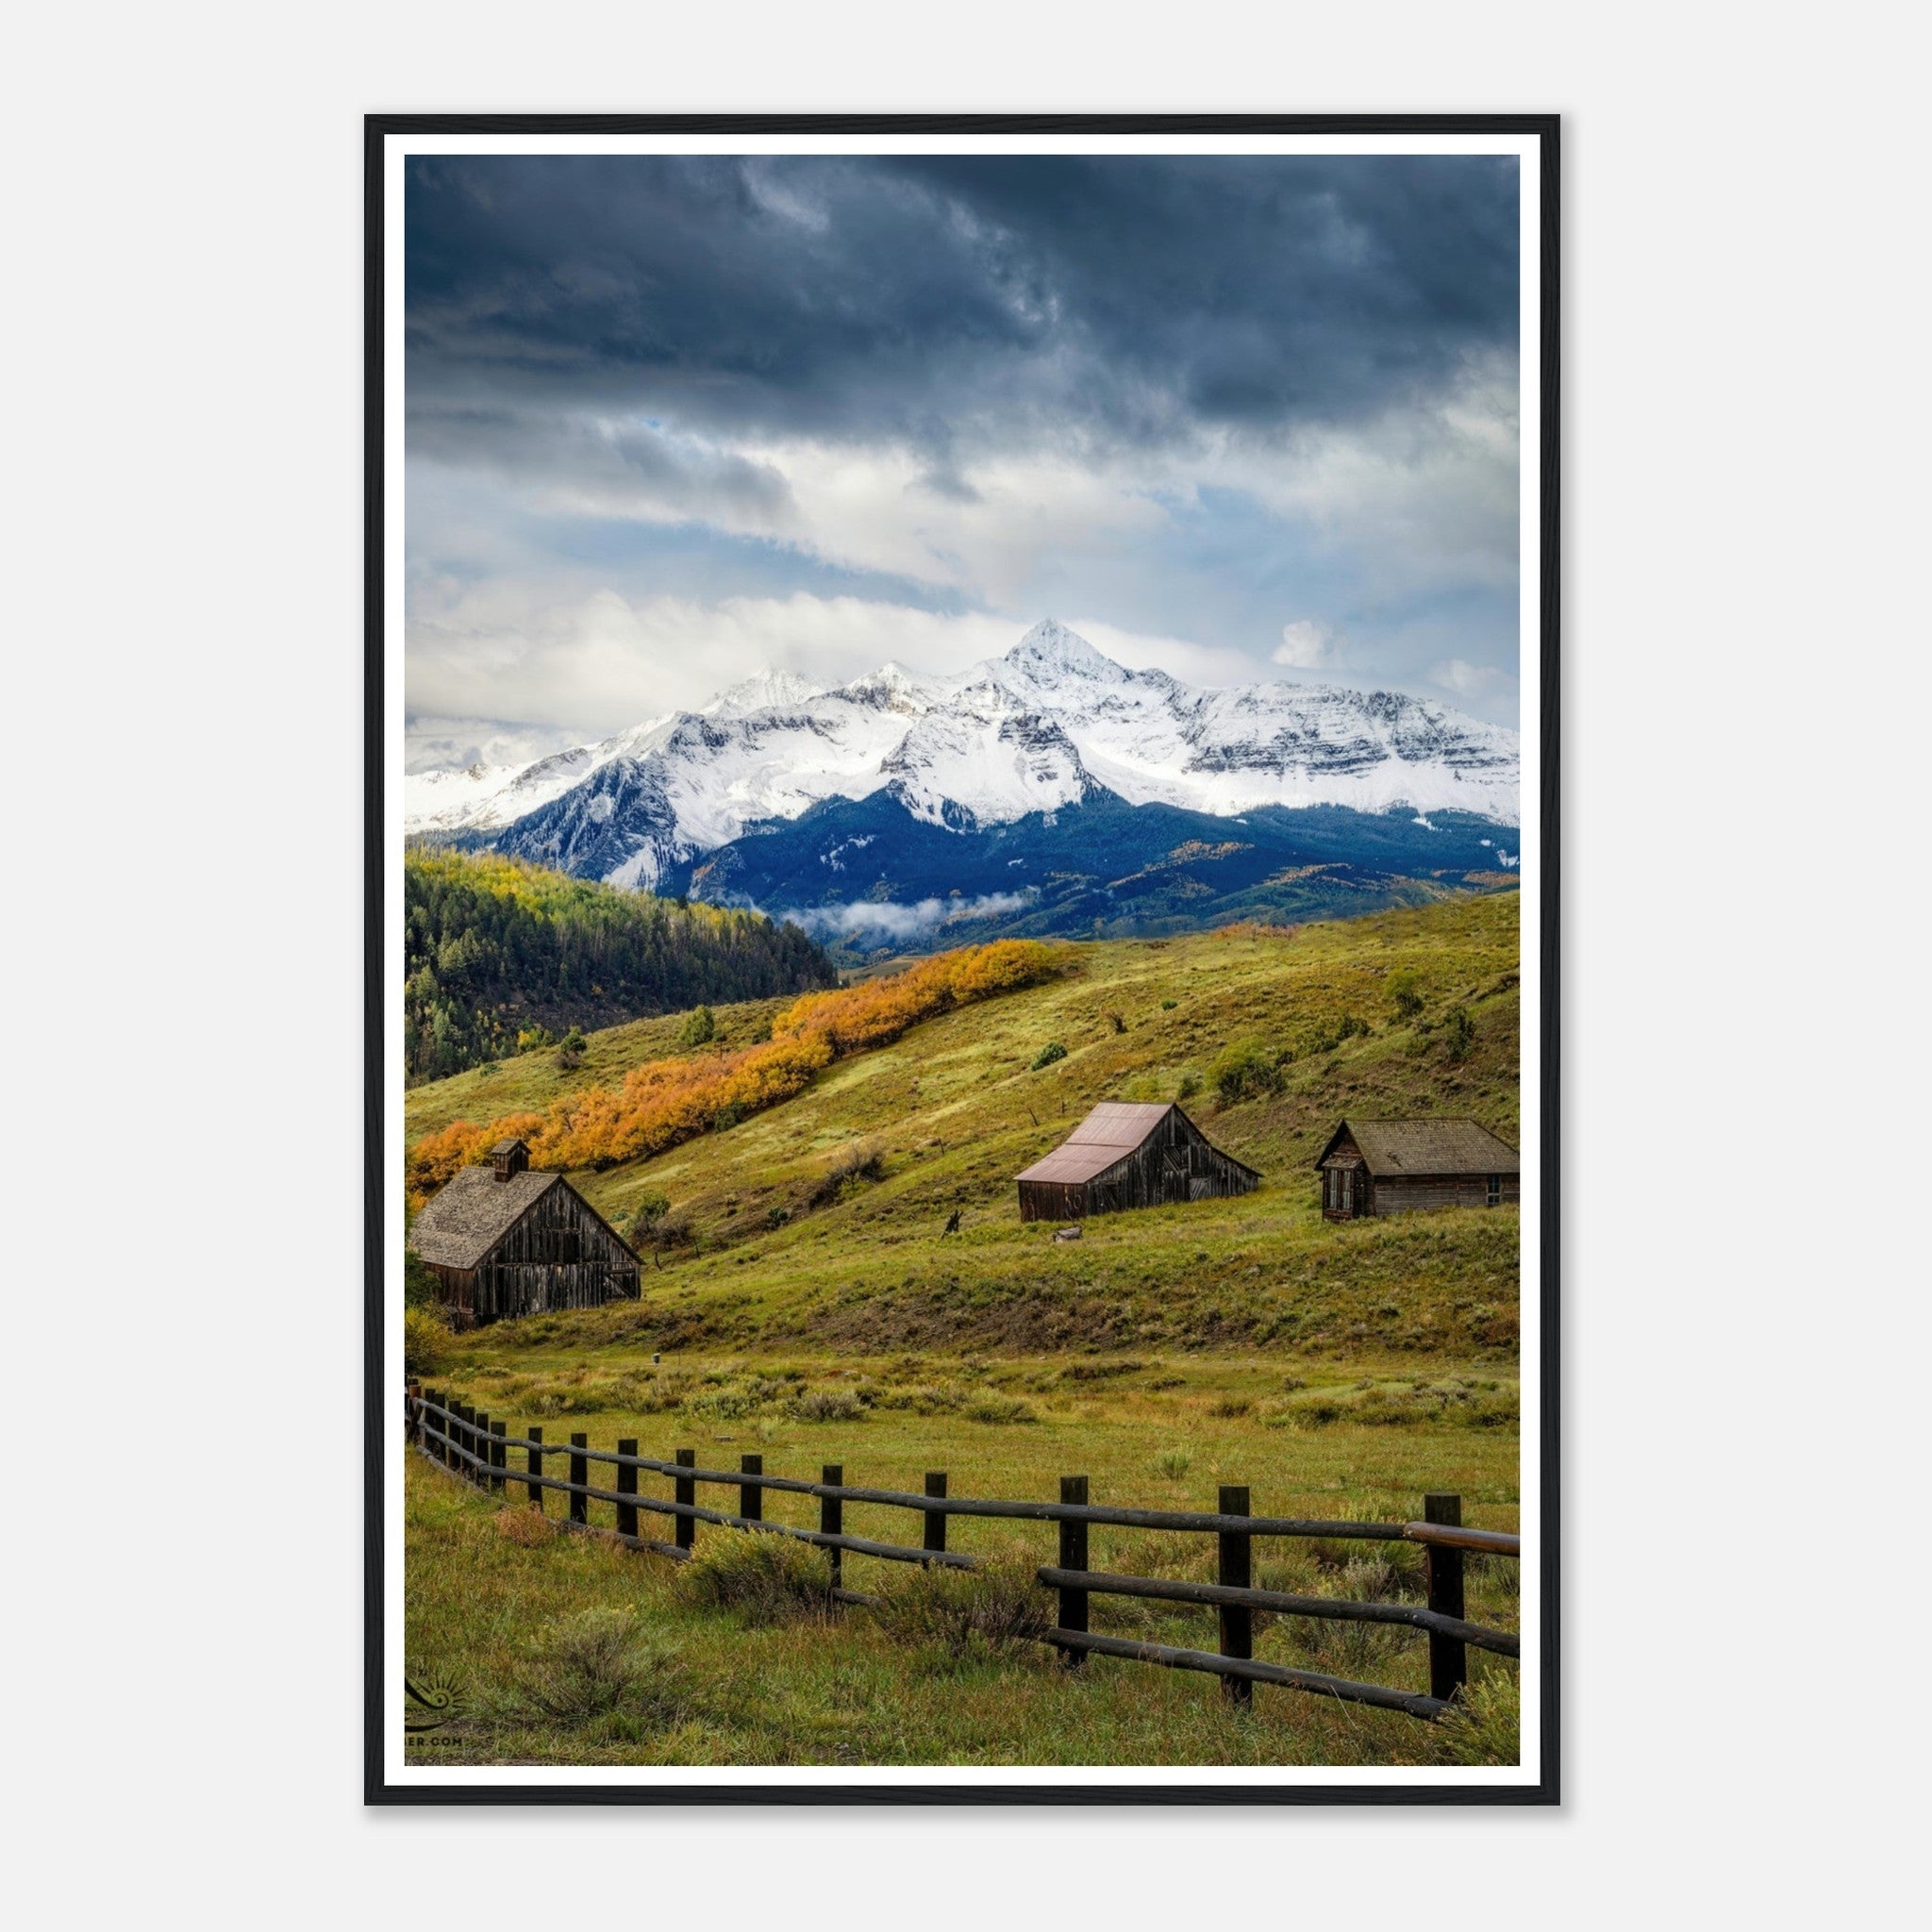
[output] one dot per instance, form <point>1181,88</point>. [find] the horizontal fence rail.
<point>477,1446</point>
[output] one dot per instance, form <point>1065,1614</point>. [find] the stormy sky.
<point>673,419</point>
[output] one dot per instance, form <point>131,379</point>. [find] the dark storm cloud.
<point>949,304</point>
<point>675,417</point>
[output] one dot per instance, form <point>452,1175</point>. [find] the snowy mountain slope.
<point>1051,724</point>
<point>1153,740</point>
<point>486,797</point>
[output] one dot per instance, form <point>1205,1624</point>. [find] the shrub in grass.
<point>650,1212</point>
<point>1230,1406</point>
<point>858,1161</point>
<point>1168,1005</point>
<point>1189,1084</point>
<point>425,1342</point>
<point>421,1288</point>
<point>1048,1053</point>
<point>699,1028</point>
<point>1458,1034</point>
<point>1173,1464</point>
<point>829,1405</point>
<point>1486,1725</point>
<point>733,1400</point>
<point>1404,994</point>
<point>767,1578</point>
<point>999,1410</point>
<point>525,1526</point>
<point>1243,1071</point>
<point>996,1610</point>
<point>588,1667</point>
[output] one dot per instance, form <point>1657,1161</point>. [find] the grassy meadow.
<point>807,1303</point>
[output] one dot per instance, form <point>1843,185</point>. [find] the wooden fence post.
<point>499,1454</point>
<point>533,1462</point>
<point>1072,1611</point>
<point>751,1497</point>
<point>687,1493</point>
<point>412,1416</point>
<point>466,1443</point>
<point>432,1424</point>
<point>1237,1571</point>
<point>832,1516</point>
<point>480,1469</point>
<point>627,1486</point>
<point>1448,1656</point>
<point>935,1518</point>
<point>579,1477</point>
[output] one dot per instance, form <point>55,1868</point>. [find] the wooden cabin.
<point>1126,1155</point>
<point>1401,1167</point>
<point>505,1242</point>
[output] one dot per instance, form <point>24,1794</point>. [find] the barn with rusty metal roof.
<point>1127,1154</point>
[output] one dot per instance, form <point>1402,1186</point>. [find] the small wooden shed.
<point>1128,1154</point>
<point>1400,1167</point>
<point>503,1241</point>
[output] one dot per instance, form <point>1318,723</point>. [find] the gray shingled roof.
<point>1437,1146</point>
<point>474,1212</point>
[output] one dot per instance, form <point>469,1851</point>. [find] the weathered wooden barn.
<point>1400,1167</point>
<point>1129,1155</point>
<point>505,1242</point>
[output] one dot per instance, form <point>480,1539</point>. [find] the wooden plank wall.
<point>1174,1163</point>
<point>558,1255</point>
<point>1416,1193</point>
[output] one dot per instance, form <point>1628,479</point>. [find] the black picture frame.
<point>378,1387</point>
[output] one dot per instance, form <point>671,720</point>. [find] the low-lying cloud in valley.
<point>900,922</point>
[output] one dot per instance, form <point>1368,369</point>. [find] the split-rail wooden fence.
<point>476,1446</point>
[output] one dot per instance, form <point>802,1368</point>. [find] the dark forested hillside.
<point>503,955</point>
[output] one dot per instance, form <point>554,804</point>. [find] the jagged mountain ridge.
<point>1053,724</point>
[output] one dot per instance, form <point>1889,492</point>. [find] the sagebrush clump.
<point>595,1665</point>
<point>997,1611</point>
<point>766,1578</point>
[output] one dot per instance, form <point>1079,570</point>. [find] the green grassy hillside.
<point>814,1309</point>
<point>778,1254</point>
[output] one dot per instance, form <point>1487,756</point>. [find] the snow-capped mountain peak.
<point>1050,653</point>
<point>1050,725</point>
<point>890,688</point>
<point>760,690</point>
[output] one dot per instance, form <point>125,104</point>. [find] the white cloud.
<point>1429,488</point>
<point>1465,680</point>
<point>595,662</point>
<point>514,667</point>
<point>902,921</point>
<point>431,744</point>
<point>1306,645</point>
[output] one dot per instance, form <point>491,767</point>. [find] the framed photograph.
<point>962,976</point>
